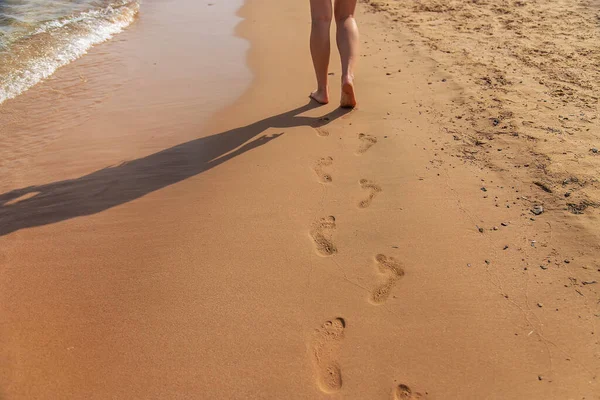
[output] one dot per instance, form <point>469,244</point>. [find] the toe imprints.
<point>373,190</point>
<point>366,142</point>
<point>322,234</point>
<point>325,351</point>
<point>391,267</point>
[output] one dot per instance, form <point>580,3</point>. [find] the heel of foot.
<point>319,97</point>
<point>348,97</point>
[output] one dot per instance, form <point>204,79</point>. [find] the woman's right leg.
<point>320,47</point>
<point>347,42</point>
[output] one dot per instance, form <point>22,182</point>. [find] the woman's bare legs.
<point>320,47</point>
<point>347,42</point>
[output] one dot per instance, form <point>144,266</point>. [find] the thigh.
<point>321,9</point>
<point>344,8</point>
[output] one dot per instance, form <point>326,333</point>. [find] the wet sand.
<point>281,249</point>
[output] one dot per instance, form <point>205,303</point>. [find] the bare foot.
<point>320,96</point>
<point>348,98</point>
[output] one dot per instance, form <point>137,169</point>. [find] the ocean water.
<point>39,36</point>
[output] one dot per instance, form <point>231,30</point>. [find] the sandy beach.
<point>175,227</point>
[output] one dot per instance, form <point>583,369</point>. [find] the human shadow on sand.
<point>109,187</point>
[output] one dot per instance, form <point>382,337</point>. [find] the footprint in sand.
<point>325,352</point>
<point>322,233</point>
<point>392,267</point>
<point>320,167</point>
<point>366,142</point>
<point>403,392</point>
<point>322,132</point>
<point>373,190</point>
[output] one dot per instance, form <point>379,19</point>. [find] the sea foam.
<point>55,43</point>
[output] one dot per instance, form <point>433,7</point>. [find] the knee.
<point>322,19</point>
<point>341,18</point>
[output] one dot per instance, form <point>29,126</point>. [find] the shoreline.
<point>247,256</point>
<point>47,55</point>
<point>132,82</point>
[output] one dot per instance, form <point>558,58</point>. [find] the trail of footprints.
<point>327,340</point>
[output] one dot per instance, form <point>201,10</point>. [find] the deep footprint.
<point>403,392</point>
<point>373,190</point>
<point>320,165</point>
<point>325,351</point>
<point>322,234</point>
<point>392,267</point>
<point>366,142</point>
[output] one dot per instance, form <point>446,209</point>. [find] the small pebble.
<point>543,267</point>
<point>487,262</point>
<point>540,305</point>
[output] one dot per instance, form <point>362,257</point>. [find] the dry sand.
<point>283,250</point>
